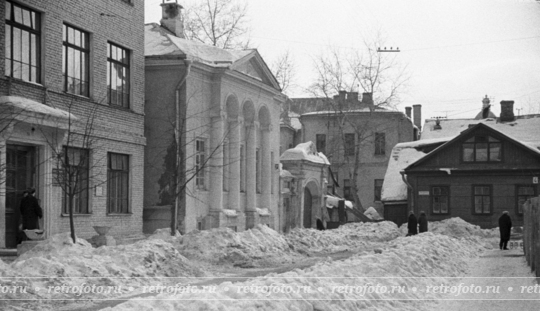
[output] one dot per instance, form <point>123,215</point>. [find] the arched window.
<point>482,148</point>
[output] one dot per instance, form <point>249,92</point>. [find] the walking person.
<point>31,212</point>
<point>505,226</point>
<point>412,224</point>
<point>422,222</point>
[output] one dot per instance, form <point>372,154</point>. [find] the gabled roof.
<point>159,42</point>
<point>524,133</point>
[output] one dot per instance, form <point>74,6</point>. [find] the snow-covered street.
<point>370,266</point>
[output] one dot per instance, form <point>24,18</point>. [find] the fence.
<point>531,234</point>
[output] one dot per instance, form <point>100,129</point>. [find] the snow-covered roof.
<point>305,151</point>
<point>332,201</point>
<point>31,111</point>
<point>159,42</point>
<point>403,154</point>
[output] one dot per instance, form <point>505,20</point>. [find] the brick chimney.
<point>507,111</point>
<point>171,18</point>
<point>342,96</point>
<point>408,112</point>
<point>352,97</point>
<point>417,114</point>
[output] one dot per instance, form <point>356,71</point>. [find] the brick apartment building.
<point>64,62</point>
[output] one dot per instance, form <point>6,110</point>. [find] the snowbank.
<point>305,151</point>
<point>259,246</point>
<point>405,268</point>
<point>347,237</point>
<point>58,261</point>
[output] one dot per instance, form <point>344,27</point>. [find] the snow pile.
<point>165,235</point>
<point>305,151</point>
<point>372,213</point>
<point>258,246</point>
<point>346,237</point>
<point>60,261</point>
<point>405,269</point>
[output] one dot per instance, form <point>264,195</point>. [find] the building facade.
<point>355,134</point>
<point>224,107</point>
<point>72,87</point>
<point>469,168</point>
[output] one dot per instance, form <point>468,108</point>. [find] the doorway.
<point>20,174</point>
<point>308,202</point>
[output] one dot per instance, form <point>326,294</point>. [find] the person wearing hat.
<point>505,225</point>
<point>422,222</point>
<point>412,224</point>
<point>30,210</point>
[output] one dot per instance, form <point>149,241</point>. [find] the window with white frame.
<point>118,83</point>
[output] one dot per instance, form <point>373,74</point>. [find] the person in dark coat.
<point>31,212</point>
<point>412,225</point>
<point>422,223</point>
<point>505,225</point>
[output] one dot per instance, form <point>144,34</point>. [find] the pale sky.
<point>456,52</point>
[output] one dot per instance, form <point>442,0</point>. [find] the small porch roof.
<point>16,108</point>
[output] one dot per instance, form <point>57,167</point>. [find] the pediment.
<point>254,66</point>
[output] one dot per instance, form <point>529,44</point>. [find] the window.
<point>242,169</point>
<point>117,75</point>
<point>440,200</point>
<point>200,158</point>
<point>321,143</point>
<point>22,45</point>
<point>482,199</point>
<point>75,56</point>
<point>482,149</point>
<point>118,184</point>
<point>380,144</point>
<point>347,189</point>
<point>378,189</point>
<point>258,170</point>
<point>76,171</point>
<point>349,144</point>
<point>523,193</point>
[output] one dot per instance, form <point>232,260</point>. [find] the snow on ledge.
<point>305,151</point>
<point>263,211</point>
<point>230,212</point>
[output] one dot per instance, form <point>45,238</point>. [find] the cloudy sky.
<point>456,52</point>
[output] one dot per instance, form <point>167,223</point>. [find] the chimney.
<point>408,112</point>
<point>342,96</point>
<point>171,18</point>
<point>417,114</point>
<point>352,97</point>
<point>367,99</point>
<point>507,111</point>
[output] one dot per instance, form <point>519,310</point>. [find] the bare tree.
<point>75,168</point>
<point>284,70</point>
<point>367,71</point>
<point>221,23</point>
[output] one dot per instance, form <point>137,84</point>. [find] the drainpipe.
<point>403,176</point>
<point>177,132</point>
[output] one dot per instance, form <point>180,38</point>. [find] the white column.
<point>234,164</point>
<point>251,169</point>
<point>266,173</point>
<point>216,164</point>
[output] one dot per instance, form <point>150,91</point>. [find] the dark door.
<point>307,208</point>
<point>20,174</point>
<point>396,213</point>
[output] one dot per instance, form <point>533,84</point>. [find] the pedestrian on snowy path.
<point>505,225</point>
<point>412,225</point>
<point>422,223</point>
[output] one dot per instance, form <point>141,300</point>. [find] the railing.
<point>531,234</point>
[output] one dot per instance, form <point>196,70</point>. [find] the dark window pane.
<point>495,152</point>
<point>481,152</point>
<point>468,152</point>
